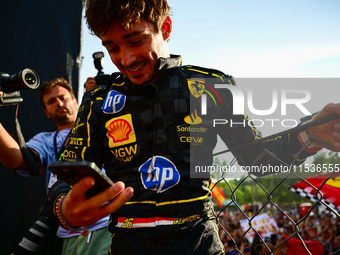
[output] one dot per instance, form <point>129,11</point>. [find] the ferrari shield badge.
<point>196,87</point>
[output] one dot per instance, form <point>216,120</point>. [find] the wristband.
<point>63,221</point>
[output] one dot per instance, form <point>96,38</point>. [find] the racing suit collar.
<point>166,63</point>
<point>163,64</point>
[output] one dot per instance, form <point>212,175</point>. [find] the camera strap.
<point>32,163</point>
<point>58,154</point>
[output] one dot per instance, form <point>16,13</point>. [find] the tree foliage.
<point>274,188</point>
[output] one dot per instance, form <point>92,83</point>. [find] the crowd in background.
<point>319,231</point>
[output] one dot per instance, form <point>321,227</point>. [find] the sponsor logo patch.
<point>199,88</point>
<point>114,102</point>
<point>196,87</point>
<point>125,154</point>
<point>193,119</point>
<point>120,131</point>
<point>159,174</point>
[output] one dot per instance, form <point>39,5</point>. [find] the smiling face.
<point>135,51</point>
<point>60,107</point>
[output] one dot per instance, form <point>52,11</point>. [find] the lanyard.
<point>57,153</point>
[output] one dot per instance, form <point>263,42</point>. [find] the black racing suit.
<point>150,137</point>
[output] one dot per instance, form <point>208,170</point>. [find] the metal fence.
<point>312,232</point>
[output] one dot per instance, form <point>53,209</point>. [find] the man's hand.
<point>329,131</point>
<point>90,84</point>
<point>79,210</point>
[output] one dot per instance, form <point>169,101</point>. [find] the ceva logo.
<point>159,174</point>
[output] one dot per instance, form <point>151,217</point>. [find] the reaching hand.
<point>90,84</point>
<point>79,210</point>
<point>329,131</point>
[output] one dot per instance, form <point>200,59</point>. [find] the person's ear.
<point>167,28</point>
<point>45,111</point>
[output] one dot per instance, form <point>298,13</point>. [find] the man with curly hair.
<point>139,127</point>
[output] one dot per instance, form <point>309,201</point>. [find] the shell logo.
<point>120,131</point>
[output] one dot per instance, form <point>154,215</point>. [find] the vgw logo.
<point>159,174</point>
<point>114,102</point>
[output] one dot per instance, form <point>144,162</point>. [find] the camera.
<point>11,85</point>
<point>101,78</point>
<point>34,237</point>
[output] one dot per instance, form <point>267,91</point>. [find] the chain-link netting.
<point>271,226</point>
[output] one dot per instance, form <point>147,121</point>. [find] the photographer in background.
<point>60,105</point>
<point>90,83</point>
<point>101,78</point>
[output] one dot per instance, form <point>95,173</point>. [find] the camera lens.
<point>25,79</point>
<point>29,78</point>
